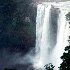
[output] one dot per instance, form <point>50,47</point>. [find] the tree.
<point>65,65</point>
<point>49,66</point>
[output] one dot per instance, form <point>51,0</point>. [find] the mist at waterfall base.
<point>51,33</point>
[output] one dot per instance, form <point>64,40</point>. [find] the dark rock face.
<point>17,29</point>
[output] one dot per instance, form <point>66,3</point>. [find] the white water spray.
<point>51,33</point>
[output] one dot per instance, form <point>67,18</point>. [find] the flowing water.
<point>51,33</point>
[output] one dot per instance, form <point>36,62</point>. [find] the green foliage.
<point>49,66</point>
<point>65,65</point>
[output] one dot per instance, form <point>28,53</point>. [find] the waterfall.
<point>51,35</point>
<point>61,43</point>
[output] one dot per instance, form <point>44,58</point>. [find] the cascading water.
<point>51,34</point>
<point>61,43</point>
